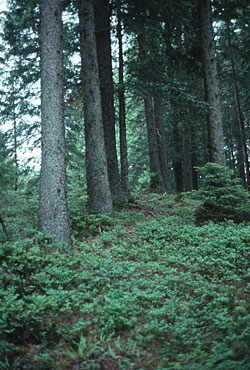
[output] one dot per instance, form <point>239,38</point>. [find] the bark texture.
<point>212,96</point>
<point>99,195</point>
<point>53,209</point>
<point>103,44</point>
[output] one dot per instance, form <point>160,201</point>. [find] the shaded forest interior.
<point>124,185</point>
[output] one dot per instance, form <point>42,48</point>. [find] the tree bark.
<point>161,140</point>
<point>155,169</point>
<point>187,160</point>
<point>53,208</point>
<point>243,152</point>
<point>103,44</point>
<point>98,188</point>
<point>177,160</point>
<point>15,138</point>
<point>122,117</point>
<point>211,83</point>
<point>5,230</point>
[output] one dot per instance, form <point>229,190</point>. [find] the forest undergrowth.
<point>150,289</point>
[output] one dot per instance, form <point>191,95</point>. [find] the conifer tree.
<point>212,93</point>
<point>53,209</point>
<point>98,188</point>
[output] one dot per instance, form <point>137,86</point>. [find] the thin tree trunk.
<point>99,194</point>
<point>122,117</point>
<point>242,139</point>
<point>15,147</point>
<point>232,152</point>
<point>5,230</point>
<point>15,135</point>
<point>211,83</point>
<point>103,44</point>
<point>53,208</point>
<point>161,140</point>
<point>155,169</point>
<point>177,162</point>
<point>178,175</point>
<point>187,161</point>
<point>195,178</point>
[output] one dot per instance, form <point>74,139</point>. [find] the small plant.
<point>224,197</point>
<point>85,348</point>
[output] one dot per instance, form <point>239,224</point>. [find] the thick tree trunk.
<point>99,194</point>
<point>103,43</point>
<point>122,117</point>
<point>53,209</point>
<point>211,83</point>
<point>161,140</point>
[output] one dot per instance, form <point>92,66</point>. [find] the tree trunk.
<point>15,149</point>
<point>187,161</point>
<point>15,133</point>
<point>15,136</point>
<point>243,152</point>
<point>5,230</point>
<point>155,169</point>
<point>103,44</point>
<point>178,175</point>
<point>53,209</point>
<point>161,140</point>
<point>177,162</point>
<point>211,83</point>
<point>99,195</point>
<point>122,117</point>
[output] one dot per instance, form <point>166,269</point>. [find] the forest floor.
<point>150,289</point>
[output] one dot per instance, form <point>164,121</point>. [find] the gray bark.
<point>211,83</point>
<point>103,43</point>
<point>99,194</point>
<point>53,209</point>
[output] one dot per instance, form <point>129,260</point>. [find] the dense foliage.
<point>224,196</point>
<point>164,283</point>
<point>171,68</point>
<point>149,290</point>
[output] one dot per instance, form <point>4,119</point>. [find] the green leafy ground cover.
<point>148,289</point>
